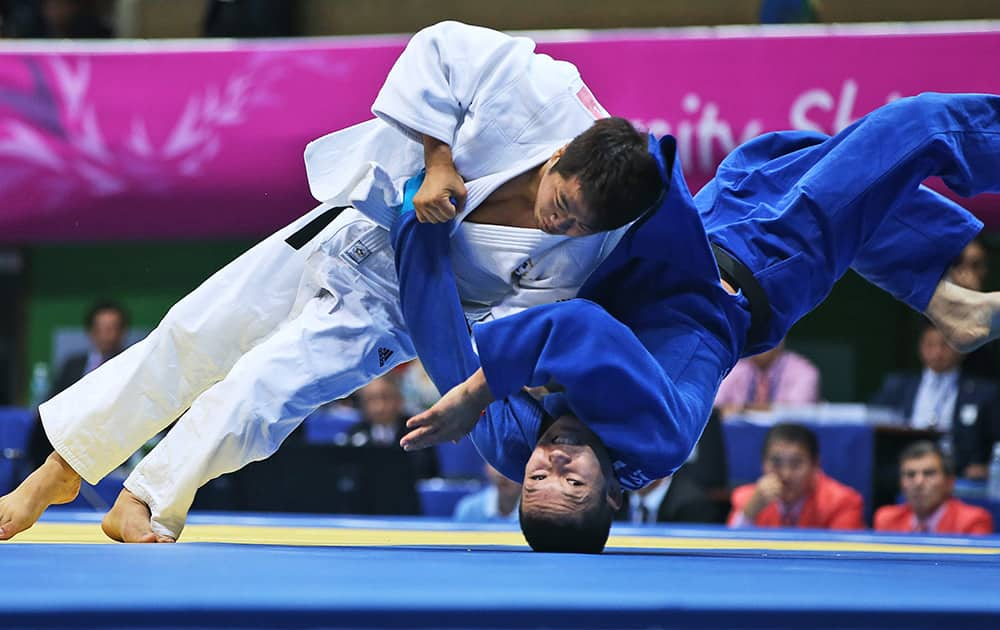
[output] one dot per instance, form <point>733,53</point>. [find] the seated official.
<point>777,376</point>
<point>498,501</point>
<point>107,324</point>
<point>793,491</point>
<point>928,480</point>
<point>943,397</point>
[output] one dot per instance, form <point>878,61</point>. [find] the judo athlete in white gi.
<point>312,313</point>
<point>696,285</point>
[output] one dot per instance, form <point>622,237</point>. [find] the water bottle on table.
<point>993,485</point>
<point>39,384</point>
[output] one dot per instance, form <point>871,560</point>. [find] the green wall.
<point>64,281</point>
<point>856,337</point>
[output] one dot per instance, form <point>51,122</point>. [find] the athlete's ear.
<point>614,496</point>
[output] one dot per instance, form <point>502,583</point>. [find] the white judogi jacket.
<point>504,110</point>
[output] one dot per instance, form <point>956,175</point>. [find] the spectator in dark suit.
<point>107,326</point>
<point>944,398</point>
<point>676,499</point>
<point>697,493</point>
<point>707,468</point>
<point>382,424</point>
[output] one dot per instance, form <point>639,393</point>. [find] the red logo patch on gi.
<point>590,103</point>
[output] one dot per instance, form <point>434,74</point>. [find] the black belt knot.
<point>740,277</point>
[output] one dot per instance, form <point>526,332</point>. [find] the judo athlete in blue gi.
<point>699,283</point>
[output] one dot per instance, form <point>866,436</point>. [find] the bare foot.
<point>54,482</point>
<point>129,521</point>
<point>967,319</point>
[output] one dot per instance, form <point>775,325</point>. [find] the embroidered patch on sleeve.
<point>586,98</point>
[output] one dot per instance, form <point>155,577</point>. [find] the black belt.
<point>736,273</point>
<point>732,271</point>
<point>309,231</point>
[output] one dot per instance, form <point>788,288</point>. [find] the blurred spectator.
<point>107,326</point>
<point>789,11</point>
<point>707,468</point>
<point>676,499</point>
<point>928,480</point>
<point>419,392</point>
<point>971,271</point>
<point>383,424</point>
<point>498,501</point>
<point>944,398</point>
<point>329,424</point>
<point>794,492</point>
<point>776,376</point>
<point>72,19</point>
<point>249,18</point>
<point>971,268</point>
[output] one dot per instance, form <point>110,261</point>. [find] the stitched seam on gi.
<point>558,100</point>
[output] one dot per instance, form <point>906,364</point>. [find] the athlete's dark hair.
<point>579,532</point>
<point>105,305</point>
<point>926,447</point>
<point>619,177</point>
<point>794,433</point>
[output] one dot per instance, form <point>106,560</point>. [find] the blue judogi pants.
<point>800,208</point>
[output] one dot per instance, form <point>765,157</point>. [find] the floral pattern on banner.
<point>54,135</point>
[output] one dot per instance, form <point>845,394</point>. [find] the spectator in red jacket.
<point>927,480</point>
<point>793,491</point>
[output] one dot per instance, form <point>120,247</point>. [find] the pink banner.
<point>144,141</point>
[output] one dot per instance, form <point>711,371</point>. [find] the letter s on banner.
<point>797,114</point>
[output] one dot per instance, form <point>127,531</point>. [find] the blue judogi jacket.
<point>643,349</point>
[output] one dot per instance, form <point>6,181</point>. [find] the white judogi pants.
<point>242,360</point>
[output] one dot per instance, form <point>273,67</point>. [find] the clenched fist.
<point>442,195</point>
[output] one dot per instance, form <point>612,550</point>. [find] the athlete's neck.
<point>513,203</point>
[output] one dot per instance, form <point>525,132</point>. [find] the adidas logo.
<point>383,356</point>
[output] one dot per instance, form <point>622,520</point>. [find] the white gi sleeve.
<point>444,73</point>
<point>486,94</point>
